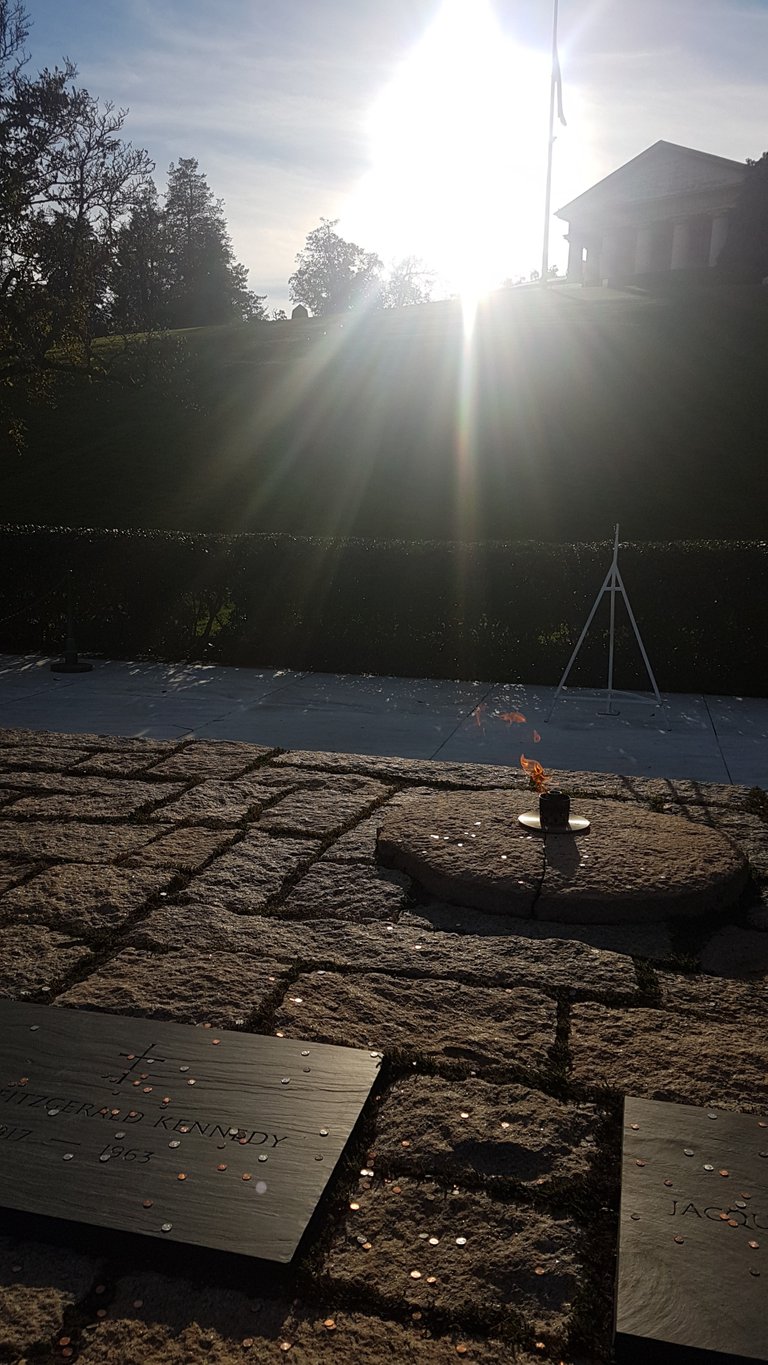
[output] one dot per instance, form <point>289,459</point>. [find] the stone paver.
<point>38,1285</point>
<point>715,997</point>
<point>470,1130</point>
<point>124,764</point>
<point>33,958</point>
<point>326,809</point>
<point>184,850</point>
<point>71,842</point>
<point>439,1020</point>
<point>217,803</point>
<point>83,900</point>
<point>190,987</point>
<point>359,845</point>
<point>77,783</point>
<point>416,770</point>
<point>253,871</point>
<point>491,1269</point>
<point>121,803</point>
<point>651,941</point>
<point>329,891</point>
<point>665,1056</point>
<point>40,755</point>
<point>548,964</point>
<point>154,1320</point>
<point>13,872</point>
<point>213,760</point>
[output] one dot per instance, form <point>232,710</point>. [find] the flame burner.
<point>554,815</point>
<point>554,809</point>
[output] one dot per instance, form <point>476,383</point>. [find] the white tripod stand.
<point>613,583</point>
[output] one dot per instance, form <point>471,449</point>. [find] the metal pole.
<point>580,642</point>
<point>612,628</point>
<point>71,663</point>
<point>550,146</point>
<point>636,629</point>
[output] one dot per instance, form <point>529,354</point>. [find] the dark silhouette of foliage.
<point>205,284</point>
<point>67,179</point>
<point>85,248</point>
<point>139,270</point>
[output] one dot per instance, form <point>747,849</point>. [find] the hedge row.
<point>491,610</point>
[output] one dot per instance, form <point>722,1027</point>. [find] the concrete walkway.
<point>704,738</point>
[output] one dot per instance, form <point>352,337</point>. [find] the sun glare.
<point>457,149</point>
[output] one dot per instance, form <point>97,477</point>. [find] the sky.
<point>420,124</point>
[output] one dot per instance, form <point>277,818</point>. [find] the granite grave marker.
<point>217,1139</point>
<point>693,1241</point>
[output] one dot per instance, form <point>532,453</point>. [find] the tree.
<point>139,269</point>
<point>745,254</point>
<point>206,284</point>
<point>67,179</point>
<point>409,281</point>
<point>334,275</point>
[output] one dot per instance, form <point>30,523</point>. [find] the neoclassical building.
<point>666,209</point>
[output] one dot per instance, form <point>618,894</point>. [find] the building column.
<point>680,240</point>
<point>719,235</point>
<point>644,249</point>
<point>575,259</point>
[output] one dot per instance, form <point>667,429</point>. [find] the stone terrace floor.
<point>235,885</point>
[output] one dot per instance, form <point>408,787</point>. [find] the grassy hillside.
<point>567,409</point>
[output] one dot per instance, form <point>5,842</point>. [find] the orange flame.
<point>536,737</point>
<point>535,772</point>
<point>512,717</point>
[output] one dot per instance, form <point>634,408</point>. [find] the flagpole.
<point>550,146</point>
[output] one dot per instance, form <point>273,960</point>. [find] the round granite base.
<point>632,865</point>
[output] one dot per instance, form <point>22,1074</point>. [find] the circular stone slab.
<point>633,865</point>
<point>467,847</point>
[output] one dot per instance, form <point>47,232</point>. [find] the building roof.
<point>662,170</point>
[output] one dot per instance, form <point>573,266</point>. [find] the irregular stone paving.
<point>442,1020</point>
<point>61,898</point>
<point>468,1128</point>
<point>38,1286</point>
<point>232,885</point>
<point>152,1318</point>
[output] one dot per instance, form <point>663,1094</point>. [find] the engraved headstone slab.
<point>693,1241</point>
<point>216,1139</point>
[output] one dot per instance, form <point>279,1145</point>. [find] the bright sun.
<point>458,141</point>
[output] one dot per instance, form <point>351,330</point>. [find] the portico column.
<point>717,240</point>
<point>575,258</point>
<point>680,242</point>
<point>644,249</point>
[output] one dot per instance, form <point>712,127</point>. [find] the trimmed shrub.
<point>491,610</point>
